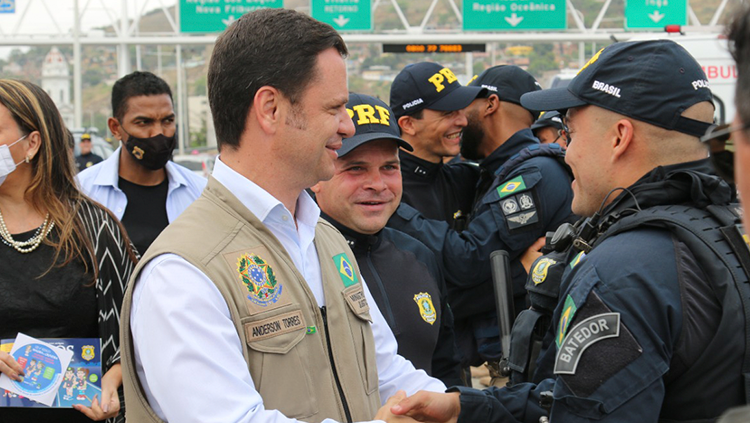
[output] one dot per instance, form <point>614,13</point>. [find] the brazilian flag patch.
<point>569,310</point>
<point>346,270</point>
<point>514,185</point>
<point>577,259</point>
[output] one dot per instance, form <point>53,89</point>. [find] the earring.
<point>28,158</point>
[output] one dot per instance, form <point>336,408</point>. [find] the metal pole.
<point>180,105</point>
<point>180,110</point>
<point>123,52</point>
<point>77,83</point>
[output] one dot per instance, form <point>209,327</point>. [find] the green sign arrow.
<point>344,15</point>
<point>216,15</point>
<point>514,15</point>
<point>654,14</point>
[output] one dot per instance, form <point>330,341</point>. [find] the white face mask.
<point>7,165</point>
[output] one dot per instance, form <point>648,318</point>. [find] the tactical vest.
<point>548,150</point>
<point>307,362</point>
<point>715,237</point>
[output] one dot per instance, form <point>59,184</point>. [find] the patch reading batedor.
<point>583,335</point>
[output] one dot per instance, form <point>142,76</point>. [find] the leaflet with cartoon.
<point>75,381</point>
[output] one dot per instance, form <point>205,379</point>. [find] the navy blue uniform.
<point>439,191</point>
<point>407,284</point>
<point>640,334</point>
<point>516,210</point>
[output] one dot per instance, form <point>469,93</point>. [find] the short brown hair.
<point>267,47</point>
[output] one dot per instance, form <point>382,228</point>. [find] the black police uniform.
<point>87,160</point>
<point>438,190</point>
<point>516,210</point>
<point>641,332</point>
<point>407,284</point>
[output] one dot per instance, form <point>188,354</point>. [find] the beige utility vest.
<point>281,327</point>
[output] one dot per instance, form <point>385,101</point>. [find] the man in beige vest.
<point>248,307</point>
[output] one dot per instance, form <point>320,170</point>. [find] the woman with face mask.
<point>65,259</point>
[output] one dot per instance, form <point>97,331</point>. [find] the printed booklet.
<point>51,380</point>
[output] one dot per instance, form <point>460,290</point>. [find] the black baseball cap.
<point>650,81</point>
<point>548,119</point>
<point>507,81</point>
<point>428,85</point>
<point>373,121</point>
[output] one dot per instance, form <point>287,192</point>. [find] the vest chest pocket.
<point>276,365</point>
<point>357,302</point>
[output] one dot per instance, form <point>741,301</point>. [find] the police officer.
<point>549,129</point>
<point>427,99</point>
<point>403,275</point>
<point>86,159</point>
<point>524,192</point>
<point>650,325</point>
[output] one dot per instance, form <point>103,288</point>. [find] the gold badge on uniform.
<point>540,270</point>
<point>426,308</point>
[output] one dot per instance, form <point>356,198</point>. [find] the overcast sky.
<point>38,17</point>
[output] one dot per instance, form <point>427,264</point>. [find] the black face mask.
<point>152,153</point>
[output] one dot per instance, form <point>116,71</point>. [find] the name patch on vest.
<point>257,279</point>
<point>275,326</point>
<point>355,297</point>
<point>583,335</point>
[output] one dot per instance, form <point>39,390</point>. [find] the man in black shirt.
<point>86,159</point>
<point>427,102</point>
<point>402,274</point>
<point>139,183</point>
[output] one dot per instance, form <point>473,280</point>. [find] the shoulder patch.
<point>514,185</point>
<point>346,270</point>
<point>569,311</point>
<point>539,274</point>
<point>583,335</point>
<point>577,259</point>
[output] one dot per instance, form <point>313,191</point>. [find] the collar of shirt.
<point>262,204</point>
<point>297,239</point>
<point>508,149</point>
<point>413,165</point>
<point>357,241</point>
<point>109,174</point>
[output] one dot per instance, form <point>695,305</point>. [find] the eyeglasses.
<point>721,147</point>
<point>565,129</point>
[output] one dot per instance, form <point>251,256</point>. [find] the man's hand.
<point>430,407</point>
<point>385,413</point>
<point>531,254</point>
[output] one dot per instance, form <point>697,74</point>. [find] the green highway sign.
<point>514,15</point>
<point>216,15</point>
<point>654,14</point>
<point>344,15</point>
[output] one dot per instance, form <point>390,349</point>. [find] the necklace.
<point>33,242</point>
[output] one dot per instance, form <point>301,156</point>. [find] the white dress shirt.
<point>100,183</point>
<point>187,352</point>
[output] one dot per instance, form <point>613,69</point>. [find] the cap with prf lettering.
<point>373,121</point>
<point>428,85</point>
<point>650,81</point>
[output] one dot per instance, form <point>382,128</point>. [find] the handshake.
<point>421,407</point>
